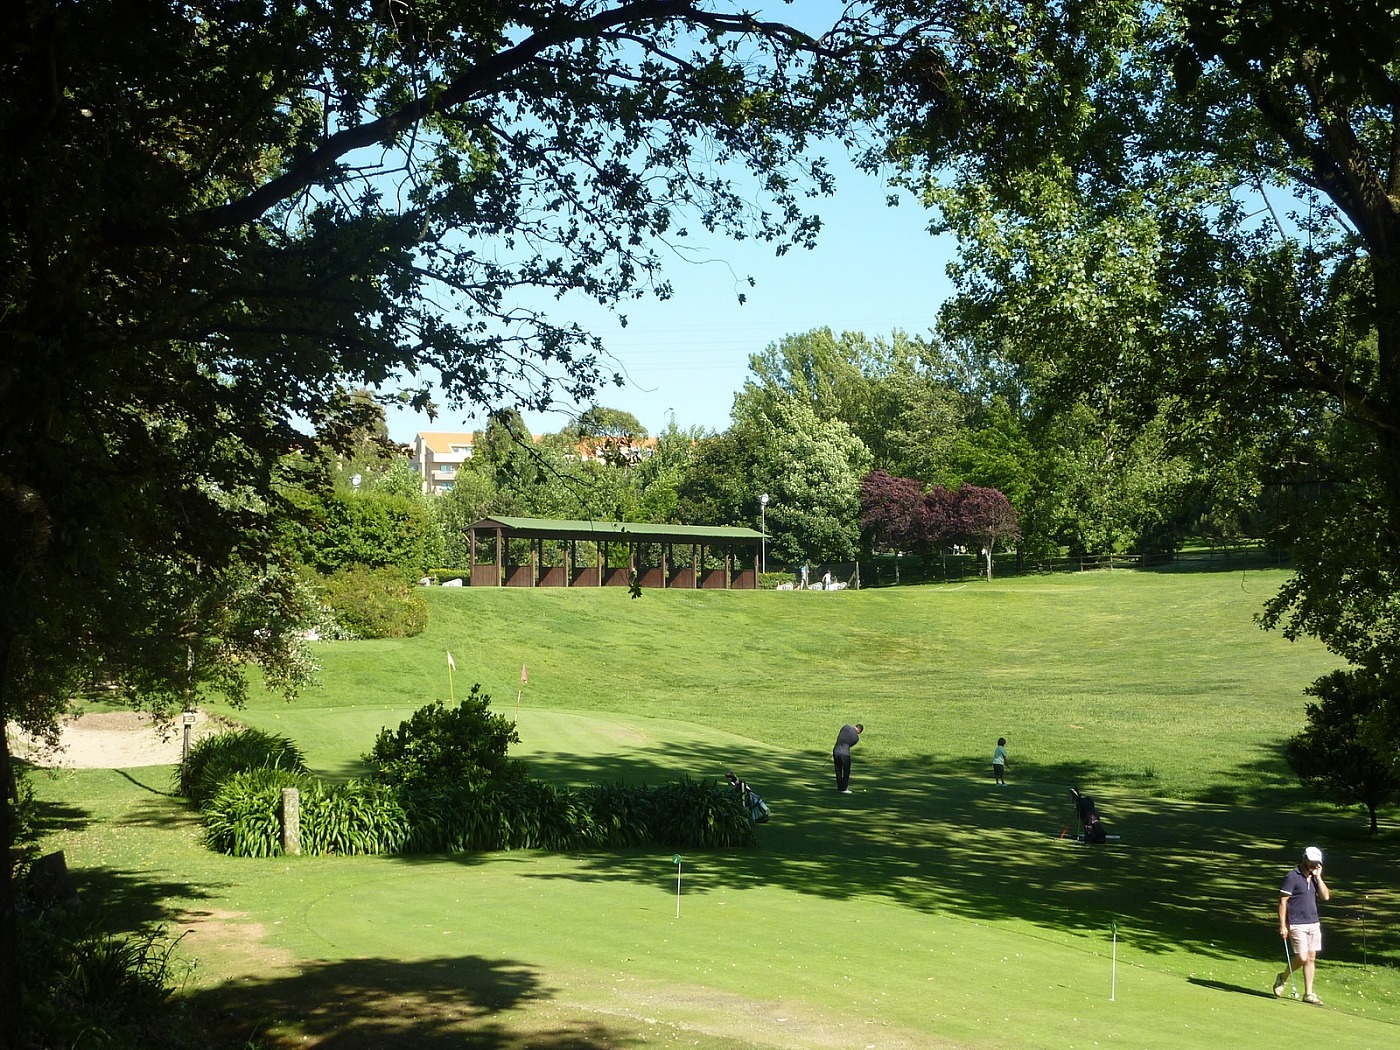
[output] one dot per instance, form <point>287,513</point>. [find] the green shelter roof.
<point>615,531</point>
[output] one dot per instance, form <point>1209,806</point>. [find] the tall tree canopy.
<point>1200,200</point>
<point>216,217</point>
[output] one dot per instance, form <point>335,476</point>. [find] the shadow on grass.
<point>143,778</point>
<point>1191,874</point>
<point>1224,986</point>
<point>361,1004</point>
<point>52,818</point>
<point>120,901</point>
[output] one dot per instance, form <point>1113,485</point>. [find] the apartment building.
<point>437,456</point>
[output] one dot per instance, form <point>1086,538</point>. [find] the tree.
<point>371,529</point>
<point>1342,753</point>
<point>717,487</point>
<point>894,394</point>
<point>218,218</point>
<point>811,470</point>
<point>1195,200</point>
<point>985,517</point>
<point>892,512</point>
<point>659,477</point>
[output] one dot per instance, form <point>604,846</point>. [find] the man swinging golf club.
<point>1298,923</point>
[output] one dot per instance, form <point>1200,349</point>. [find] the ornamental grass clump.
<point>244,818</point>
<point>216,758</point>
<point>358,817</point>
<point>700,815</point>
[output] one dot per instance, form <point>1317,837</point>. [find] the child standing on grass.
<point>999,762</point>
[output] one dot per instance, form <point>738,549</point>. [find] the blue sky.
<point>875,269</point>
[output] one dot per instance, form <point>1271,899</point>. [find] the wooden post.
<point>291,822</point>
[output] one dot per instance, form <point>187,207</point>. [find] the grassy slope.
<point>927,909</point>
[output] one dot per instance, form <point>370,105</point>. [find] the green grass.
<point>927,909</point>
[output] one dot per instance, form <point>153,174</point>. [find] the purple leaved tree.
<point>985,517</point>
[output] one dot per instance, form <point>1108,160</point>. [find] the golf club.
<point>1288,956</point>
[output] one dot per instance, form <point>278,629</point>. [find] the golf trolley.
<point>753,802</point>
<point>1086,817</point>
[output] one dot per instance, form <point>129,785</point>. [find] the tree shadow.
<point>117,901</point>
<point>370,1003</point>
<point>1180,874</point>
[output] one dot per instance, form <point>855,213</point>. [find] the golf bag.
<point>753,802</point>
<point>1091,829</point>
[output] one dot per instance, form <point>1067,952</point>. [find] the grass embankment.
<point>926,909</point>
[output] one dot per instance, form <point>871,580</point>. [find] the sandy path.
<point>112,740</point>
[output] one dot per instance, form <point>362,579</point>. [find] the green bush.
<point>442,783</point>
<point>364,817</point>
<point>699,816</point>
<point>375,603</point>
<point>359,817</point>
<point>86,988</point>
<point>621,815</point>
<point>446,747</point>
<point>216,758</point>
<point>243,819</point>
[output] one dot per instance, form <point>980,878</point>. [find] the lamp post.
<point>763,528</point>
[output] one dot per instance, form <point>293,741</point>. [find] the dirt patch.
<point>113,740</point>
<point>228,945</point>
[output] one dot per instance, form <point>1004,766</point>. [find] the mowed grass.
<point>927,909</point>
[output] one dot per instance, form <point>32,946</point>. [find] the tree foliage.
<point>215,219</point>
<point>898,514</point>
<point>1342,752</point>
<point>1190,205</point>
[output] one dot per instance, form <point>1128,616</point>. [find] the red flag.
<point>524,678</point>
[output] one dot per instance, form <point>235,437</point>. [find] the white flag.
<point>450,663</point>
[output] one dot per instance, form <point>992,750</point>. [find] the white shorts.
<point>1306,939</point>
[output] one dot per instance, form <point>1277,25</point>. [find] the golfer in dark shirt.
<point>1298,922</point>
<point>848,738</point>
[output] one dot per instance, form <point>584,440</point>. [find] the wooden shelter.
<point>710,557</point>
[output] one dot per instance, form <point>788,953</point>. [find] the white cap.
<point>1312,855</point>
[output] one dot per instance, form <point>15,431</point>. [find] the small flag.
<point>524,678</point>
<point>450,662</point>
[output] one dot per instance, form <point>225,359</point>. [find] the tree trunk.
<point>10,1002</point>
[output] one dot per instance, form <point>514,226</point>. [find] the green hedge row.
<point>242,817</point>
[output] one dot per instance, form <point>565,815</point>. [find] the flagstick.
<point>677,859</point>
<point>1364,965</point>
<point>1113,978</point>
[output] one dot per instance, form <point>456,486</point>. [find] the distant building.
<point>437,456</point>
<point>620,451</point>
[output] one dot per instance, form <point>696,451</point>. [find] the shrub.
<point>443,747</point>
<point>375,603</point>
<point>243,819</point>
<point>84,987</point>
<point>700,816</point>
<point>216,758</point>
<point>621,815</point>
<point>359,817</point>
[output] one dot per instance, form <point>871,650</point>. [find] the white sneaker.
<point>846,791</point>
